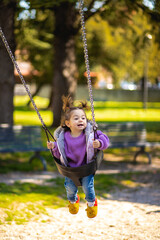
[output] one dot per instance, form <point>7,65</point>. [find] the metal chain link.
<point>21,76</point>
<point>87,61</point>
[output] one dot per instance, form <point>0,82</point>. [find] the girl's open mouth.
<point>80,125</point>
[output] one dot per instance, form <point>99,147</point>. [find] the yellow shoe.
<point>74,207</point>
<point>92,211</point>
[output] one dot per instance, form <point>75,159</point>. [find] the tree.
<point>65,30</point>
<point>65,68</point>
<point>120,48</point>
<point>34,37</point>
<point>67,25</point>
<point>7,12</point>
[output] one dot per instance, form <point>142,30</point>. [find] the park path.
<point>112,168</point>
<point>128,214</point>
<point>116,220</point>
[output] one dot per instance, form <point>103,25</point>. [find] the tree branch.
<point>155,15</point>
<point>89,14</point>
<point>91,5</point>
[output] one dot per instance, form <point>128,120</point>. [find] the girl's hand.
<point>96,143</point>
<point>50,145</point>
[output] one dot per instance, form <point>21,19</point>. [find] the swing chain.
<point>87,62</point>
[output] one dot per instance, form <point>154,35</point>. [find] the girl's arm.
<point>53,146</point>
<point>102,141</point>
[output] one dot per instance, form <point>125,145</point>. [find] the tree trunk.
<point>6,66</point>
<point>65,69</point>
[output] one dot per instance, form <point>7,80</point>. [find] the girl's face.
<point>77,122</point>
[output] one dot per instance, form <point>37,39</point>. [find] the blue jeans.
<point>87,186</point>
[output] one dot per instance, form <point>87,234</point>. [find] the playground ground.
<point>129,213</point>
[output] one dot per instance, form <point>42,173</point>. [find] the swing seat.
<point>76,173</point>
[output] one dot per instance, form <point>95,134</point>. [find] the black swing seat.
<point>76,173</point>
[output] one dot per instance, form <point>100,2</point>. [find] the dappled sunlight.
<point>130,184</point>
<point>23,100</point>
<point>127,115</point>
<point>104,111</point>
<point>31,118</point>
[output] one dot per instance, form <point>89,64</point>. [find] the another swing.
<point>78,172</point>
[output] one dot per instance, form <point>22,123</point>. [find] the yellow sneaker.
<point>74,207</point>
<point>92,211</point>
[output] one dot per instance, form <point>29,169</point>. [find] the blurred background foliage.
<point>122,38</point>
<point>118,44</point>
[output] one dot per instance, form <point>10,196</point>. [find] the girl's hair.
<point>68,107</point>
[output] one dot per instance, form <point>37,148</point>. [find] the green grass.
<point>127,115</point>
<point>104,111</point>
<point>20,162</point>
<point>126,111</point>
<point>22,202</point>
<point>119,105</point>
<point>20,101</point>
<point>25,115</point>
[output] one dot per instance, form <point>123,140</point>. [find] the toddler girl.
<point>74,147</point>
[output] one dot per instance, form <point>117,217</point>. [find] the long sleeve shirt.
<point>75,147</point>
